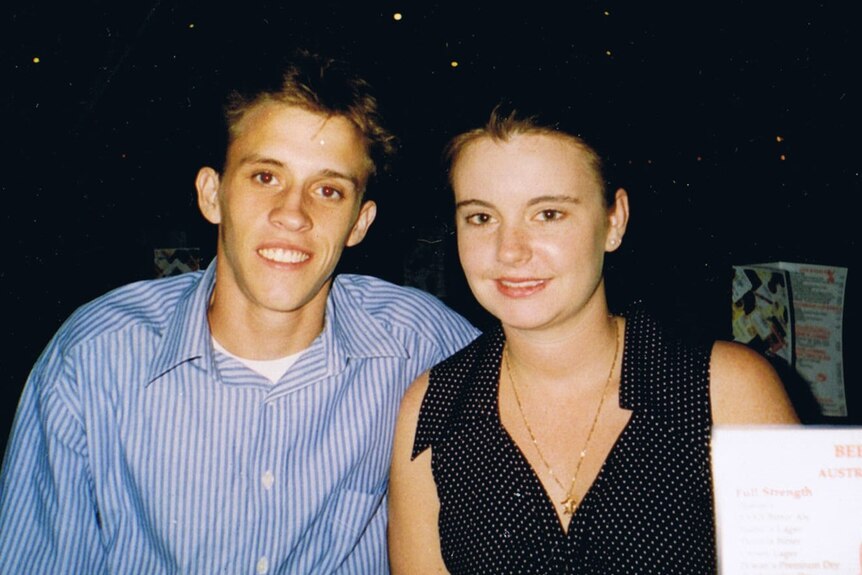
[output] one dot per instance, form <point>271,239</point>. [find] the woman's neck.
<point>579,356</point>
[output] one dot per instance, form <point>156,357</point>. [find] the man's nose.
<point>289,210</point>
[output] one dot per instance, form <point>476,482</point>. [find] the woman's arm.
<point>745,389</point>
<point>414,541</point>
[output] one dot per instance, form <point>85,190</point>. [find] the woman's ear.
<point>207,185</point>
<point>618,218</point>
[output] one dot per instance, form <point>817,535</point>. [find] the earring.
<point>613,241</point>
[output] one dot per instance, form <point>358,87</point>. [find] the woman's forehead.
<point>524,157</point>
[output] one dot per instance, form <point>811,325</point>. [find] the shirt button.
<point>262,565</point>
<point>267,479</point>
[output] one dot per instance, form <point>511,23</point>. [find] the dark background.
<point>737,124</point>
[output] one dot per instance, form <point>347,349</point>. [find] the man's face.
<point>288,202</point>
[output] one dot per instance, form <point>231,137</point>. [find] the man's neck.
<point>258,334</point>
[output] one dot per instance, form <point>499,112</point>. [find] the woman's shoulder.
<point>745,388</point>
<point>651,346</point>
<point>438,397</point>
<point>647,326</point>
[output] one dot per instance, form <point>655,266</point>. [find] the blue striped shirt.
<point>139,449</point>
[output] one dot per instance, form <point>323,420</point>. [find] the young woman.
<point>568,440</point>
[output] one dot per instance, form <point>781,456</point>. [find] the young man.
<point>237,420</point>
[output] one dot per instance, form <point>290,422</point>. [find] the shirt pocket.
<point>358,520</point>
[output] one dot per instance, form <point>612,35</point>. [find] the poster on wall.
<point>174,261</point>
<point>795,312</point>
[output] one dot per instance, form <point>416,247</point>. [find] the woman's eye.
<point>550,215</point>
<point>478,219</point>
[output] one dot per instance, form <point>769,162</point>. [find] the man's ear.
<point>618,218</point>
<point>366,216</point>
<point>207,184</point>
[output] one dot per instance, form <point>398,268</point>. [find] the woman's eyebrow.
<point>480,203</point>
<point>560,198</point>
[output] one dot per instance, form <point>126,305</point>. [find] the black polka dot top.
<point>650,507</point>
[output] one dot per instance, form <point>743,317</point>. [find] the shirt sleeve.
<point>48,516</point>
<point>452,331</point>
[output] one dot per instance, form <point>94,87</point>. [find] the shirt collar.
<point>186,336</point>
<point>351,331</point>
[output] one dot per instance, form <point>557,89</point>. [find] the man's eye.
<point>329,192</point>
<point>265,178</point>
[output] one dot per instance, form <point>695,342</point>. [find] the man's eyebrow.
<point>327,173</point>
<point>258,159</point>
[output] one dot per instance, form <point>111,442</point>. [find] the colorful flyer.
<point>796,312</point>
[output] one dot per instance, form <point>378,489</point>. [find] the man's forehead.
<point>259,115</point>
<point>269,108</point>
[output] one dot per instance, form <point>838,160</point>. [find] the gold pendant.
<point>569,505</point>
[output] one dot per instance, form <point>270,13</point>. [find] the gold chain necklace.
<point>570,504</point>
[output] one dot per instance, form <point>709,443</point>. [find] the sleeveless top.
<point>649,509</point>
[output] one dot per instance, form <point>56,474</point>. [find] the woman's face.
<point>533,229</point>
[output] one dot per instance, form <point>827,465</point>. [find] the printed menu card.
<point>788,500</point>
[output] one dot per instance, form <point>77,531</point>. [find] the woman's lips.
<point>520,287</point>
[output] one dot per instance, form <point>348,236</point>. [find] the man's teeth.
<point>283,256</point>
<point>523,284</point>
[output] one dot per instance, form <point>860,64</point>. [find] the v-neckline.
<point>548,503</point>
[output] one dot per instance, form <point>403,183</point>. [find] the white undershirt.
<point>272,369</point>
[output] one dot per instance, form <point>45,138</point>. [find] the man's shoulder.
<point>145,302</point>
<point>402,306</point>
<point>377,295</point>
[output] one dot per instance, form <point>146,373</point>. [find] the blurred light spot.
<point>779,139</point>
<point>36,59</point>
<point>397,16</point>
<point>454,63</point>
